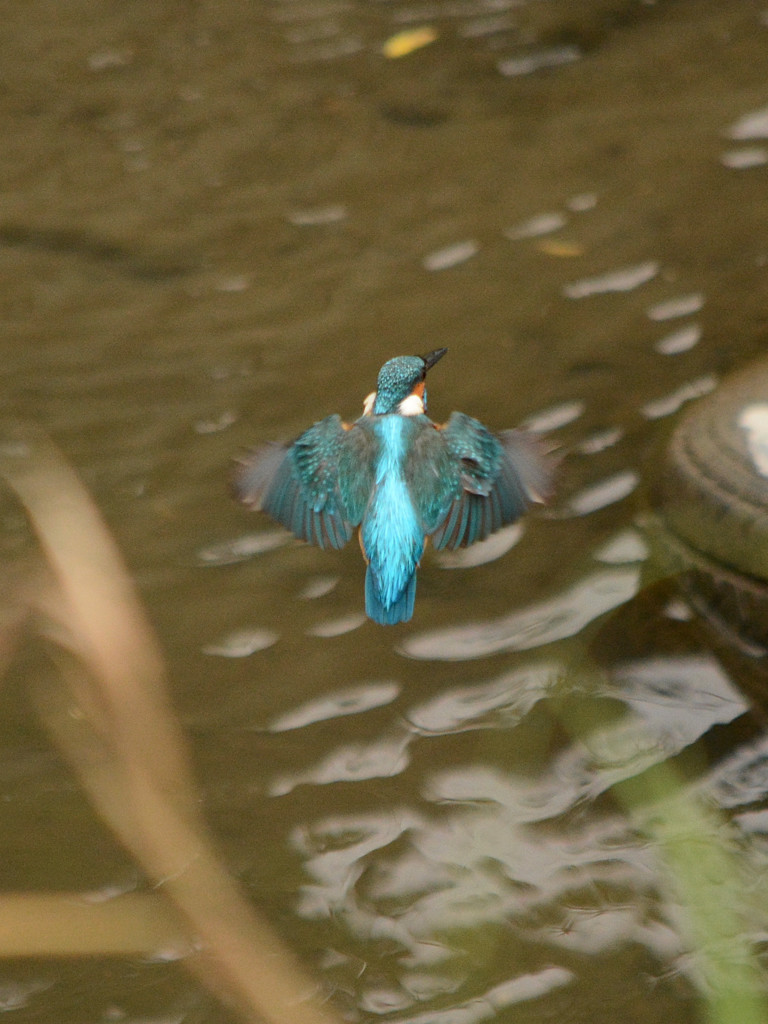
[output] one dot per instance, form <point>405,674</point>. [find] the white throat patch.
<point>413,405</point>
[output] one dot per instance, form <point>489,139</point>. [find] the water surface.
<point>218,221</point>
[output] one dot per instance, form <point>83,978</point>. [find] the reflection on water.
<point>495,849</point>
<point>450,256</point>
<point>541,224</point>
<point>624,280</point>
<point>669,404</point>
<point>745,157</point>
<point>535,60</point>
<point>679,341</point>
<point>381,758</point>
<point>750,126</point>
<point>241,643</point>
<point>682,305</point>
<point>347,702</point>
<point>603,493</point>
<point>558,416</point>
<point>753,419</point>
<point>485,705</point>
<point>564,615</point>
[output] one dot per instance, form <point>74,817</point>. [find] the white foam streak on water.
<point>562,616</point>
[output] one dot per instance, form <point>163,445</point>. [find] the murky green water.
<point>218,220</point>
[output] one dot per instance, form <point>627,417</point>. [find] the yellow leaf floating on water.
<point>403,43</point>
<point>554,248</point>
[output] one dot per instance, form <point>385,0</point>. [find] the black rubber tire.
<point>710,491</point>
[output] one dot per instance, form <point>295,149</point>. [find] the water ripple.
<point>624,280</point>
<point>626,547</point>
<point>496,704</point>
<point>679,341</point>
<point>335,705</point>
<point>483,551</point>
<point>563,615</point>
<point>241,643</point>
<point>379,759</point>
<point>555,417</point>
<point>240,549</point>
<point>605,492</point>
<point>538,60</point>
<point>743,778</point>
<point>535,227</point>
<point>669,404</point>
<point>744,157</point>
<point>679,698</point>
<point>600,441</point>
<point>750,126</point>
<point>681,305</point>
<point>487,1005</point>
<point>524,800</point>
<point>338,627</point>
<point>451,255</point>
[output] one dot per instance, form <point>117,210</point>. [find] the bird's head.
<point>401,385</point>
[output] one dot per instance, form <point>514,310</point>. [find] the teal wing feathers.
<point>482,481</point>
<point>309,485</point>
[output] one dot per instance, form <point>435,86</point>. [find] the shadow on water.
<point>544,797</point>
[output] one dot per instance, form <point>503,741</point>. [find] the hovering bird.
<point>400,478</point>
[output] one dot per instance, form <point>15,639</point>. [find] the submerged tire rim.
<point>711,500</point>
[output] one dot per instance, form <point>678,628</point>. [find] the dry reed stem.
<point>127,749</point>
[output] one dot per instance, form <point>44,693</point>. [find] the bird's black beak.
<point>432,357</point>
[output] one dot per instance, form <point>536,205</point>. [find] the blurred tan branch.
<point>108,712</point>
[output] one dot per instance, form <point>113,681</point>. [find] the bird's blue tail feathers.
<point>401,610</point>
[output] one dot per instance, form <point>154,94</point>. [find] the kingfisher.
<point>400,479</point>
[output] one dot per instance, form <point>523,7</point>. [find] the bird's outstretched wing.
<point>482,481</point>
<point>317,486</point>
